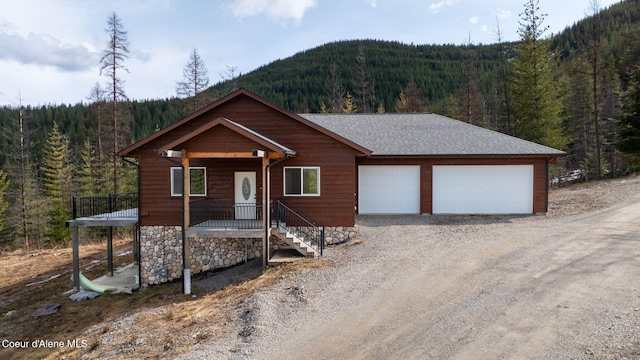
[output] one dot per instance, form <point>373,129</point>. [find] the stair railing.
<point>289,220</point>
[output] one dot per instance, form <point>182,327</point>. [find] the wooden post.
<point>266,213</point>
<point>185,190</point>
<point>186,253</point>
<point>76,256</point>
<point>109,251</point>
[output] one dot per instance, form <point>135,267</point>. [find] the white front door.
<point>245,194</point>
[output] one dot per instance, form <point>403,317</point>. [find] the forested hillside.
<point>592,110</point>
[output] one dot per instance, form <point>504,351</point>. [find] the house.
<point>243,170</point>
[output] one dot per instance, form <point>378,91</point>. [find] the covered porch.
<point>223,172</point>
<point>109,211</point>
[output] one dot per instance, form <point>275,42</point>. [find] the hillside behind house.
<point>469,82</point>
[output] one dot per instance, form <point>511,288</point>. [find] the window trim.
<point>173,168</point>
<point>302,168</point>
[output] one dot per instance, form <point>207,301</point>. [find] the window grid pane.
<point>292,181</point>
<point>310,181</point>
<point>302,181</point>
<point>197,181</point>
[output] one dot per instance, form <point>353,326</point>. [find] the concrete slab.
<point>125,278</point>
<point>284,256</point>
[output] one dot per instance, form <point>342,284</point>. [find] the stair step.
<point>298,244</point>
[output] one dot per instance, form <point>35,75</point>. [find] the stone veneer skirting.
<point>161,253</point>
<point>332,235</point>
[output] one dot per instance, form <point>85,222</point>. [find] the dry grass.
<point>178,321</point>
<point>351,243</point>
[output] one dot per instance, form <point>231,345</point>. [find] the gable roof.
<point>233,126</point>
<point>243,92</point>
<point>425,134</point>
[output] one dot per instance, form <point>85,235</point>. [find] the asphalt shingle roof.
<point>424,134</point>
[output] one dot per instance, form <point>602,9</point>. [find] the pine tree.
<point>629,122</point>
<point>58,175</point>
<point>89,174</point>
<point>537,105</point>
<point>25,220</point>
<point>4,184</point>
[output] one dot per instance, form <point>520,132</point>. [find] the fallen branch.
<point>45,280</point>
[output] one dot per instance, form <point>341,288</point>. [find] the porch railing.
<point>123,205</point>
<point>208,213</point>
<point>287,219</point>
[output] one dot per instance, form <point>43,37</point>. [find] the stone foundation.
<point>161,253</point>
<point>339,234</point>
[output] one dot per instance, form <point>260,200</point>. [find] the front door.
<point>245,194</point>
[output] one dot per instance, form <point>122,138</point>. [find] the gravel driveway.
<point>561,286</point>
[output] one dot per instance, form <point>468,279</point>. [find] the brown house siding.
<point>540,190</point>
<point>334,206</point>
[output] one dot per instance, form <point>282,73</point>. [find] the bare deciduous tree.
<point>112,62</point>
<point>334,90</point>
<point>194,79</point>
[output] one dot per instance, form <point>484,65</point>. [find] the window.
<point>302,181</point>
<point>197,181</point>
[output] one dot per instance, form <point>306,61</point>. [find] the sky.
<point>50,50</point>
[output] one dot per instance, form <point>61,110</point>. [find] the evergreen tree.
<point>57,174</point>
<point>629,122</point>
<point>89,175</point>
<point>25,219</point>
<point>537,106</point>
<point>4,184</point>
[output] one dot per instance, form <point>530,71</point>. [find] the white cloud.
<point>474,20</point>
<point>435,7</point>
<point>485,28</point>
<point>279,9</point>
<point>503,14</point>
<point>373,3</point>
<point>45,50</point>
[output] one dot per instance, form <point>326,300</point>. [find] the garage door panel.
<point>483,189</point>
<point>388,189</point>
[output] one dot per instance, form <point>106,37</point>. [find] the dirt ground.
<point>558,286</point>
<point>561,286</point>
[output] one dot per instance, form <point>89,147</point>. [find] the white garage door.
<point>475,189</point>
<point>389,189</point>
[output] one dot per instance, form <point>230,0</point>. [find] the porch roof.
<point>233,126</point>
